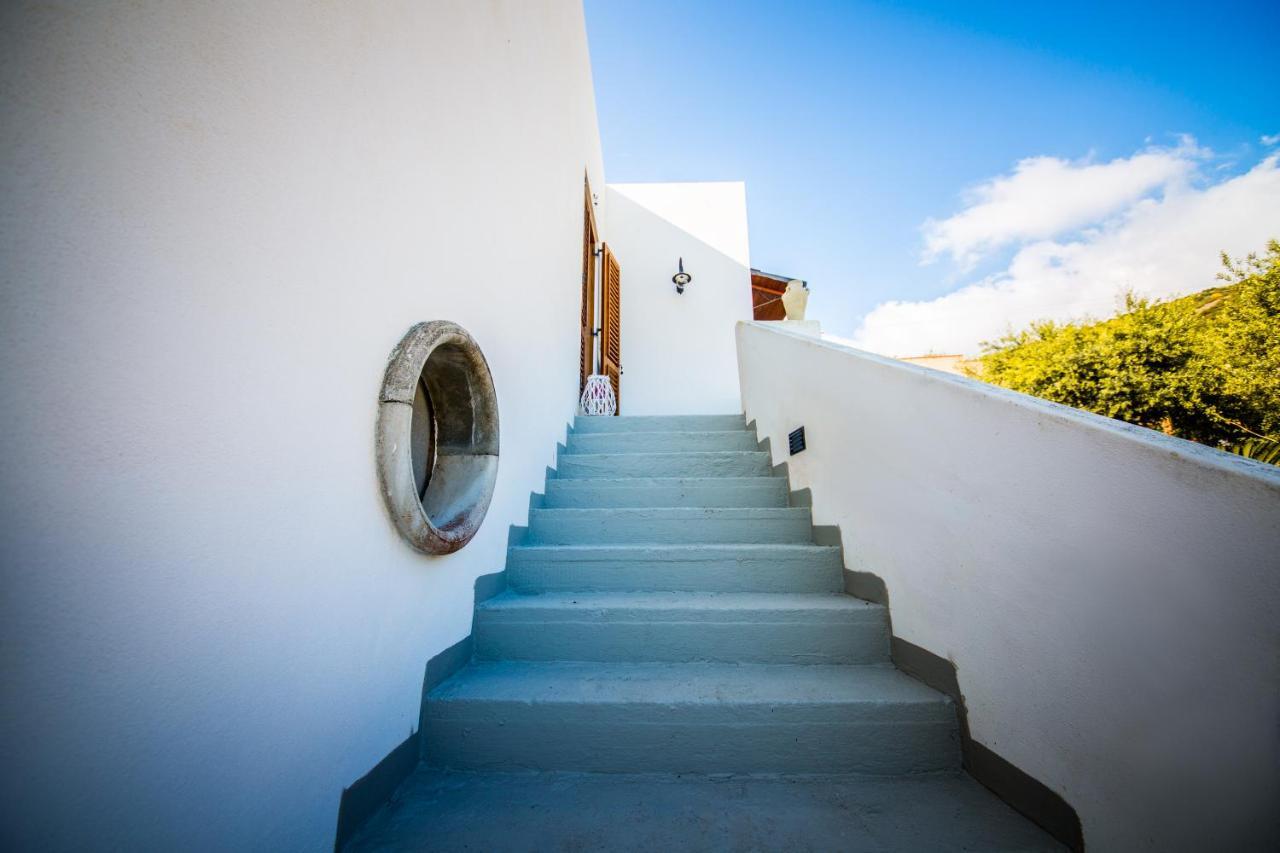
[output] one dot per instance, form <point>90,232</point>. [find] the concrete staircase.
<point>669,621</point>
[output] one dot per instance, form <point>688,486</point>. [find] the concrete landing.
<point>442,810</point>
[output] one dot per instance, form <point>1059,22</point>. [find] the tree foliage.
<point>1204,367</point>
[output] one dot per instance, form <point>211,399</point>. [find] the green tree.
<point>1204,367</point>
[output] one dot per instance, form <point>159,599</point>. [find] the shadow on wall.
<point>374,789</point>
<point>1023,792</point>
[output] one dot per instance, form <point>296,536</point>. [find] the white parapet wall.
<point>677,348</point>
<point>1109,596</point>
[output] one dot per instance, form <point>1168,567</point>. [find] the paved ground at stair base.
<point>443,810</point>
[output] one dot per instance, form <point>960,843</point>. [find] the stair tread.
<point>672,441</point>
<point>639,422</point>
<point>641,684</point>
<point>674,453</point>
<point>674,463</point>
<point>727,627</point>
<point>641,418</point>
<point>728,603</point>
<point>682,512</point>
<point>787,567</point>
<point>639,482</point>
<point>693,550</point>
<point>673,432</point>
<point>667,524</point>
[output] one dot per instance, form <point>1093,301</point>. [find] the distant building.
<point>957,364</point>
<point>766,295</point>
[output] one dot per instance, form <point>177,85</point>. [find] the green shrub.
<point>1204,367</point>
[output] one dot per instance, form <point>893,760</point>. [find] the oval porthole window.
<point>437,442</point>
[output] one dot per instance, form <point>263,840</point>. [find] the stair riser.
<point>671,423</point>
<point>681,739</point>
<point>690,531</point>
<point>673,442</point>
<point>506,636</point>
<point>526,573</point>
<point>741,464</point>
<point>755,492</point>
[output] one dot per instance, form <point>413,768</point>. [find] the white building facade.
<point>220,218</point>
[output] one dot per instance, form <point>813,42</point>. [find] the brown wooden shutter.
<point>611,322</point>
<point>586,353</point>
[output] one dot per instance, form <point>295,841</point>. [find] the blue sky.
<point>857,125</point>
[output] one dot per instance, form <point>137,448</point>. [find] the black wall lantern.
<point>681,278</point>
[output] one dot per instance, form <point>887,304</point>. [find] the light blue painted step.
<point>688,568</point>
<point>668,491</point>
<point>459,811</point>
<point>683,627</point>
<point>690,718</point>
<point>688,464</point>
<point>670,525</point>
<point>660,442</point>
<point>659,423</point>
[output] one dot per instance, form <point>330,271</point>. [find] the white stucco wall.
<point>1108,595</point>
<point>677,349</point>
<point>219,218</point>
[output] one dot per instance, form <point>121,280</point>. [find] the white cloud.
<point>1047,196</point>
<point>1268,141</point>
<point>1157,248</point>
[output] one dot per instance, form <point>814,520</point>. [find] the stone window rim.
<point>405,369</point>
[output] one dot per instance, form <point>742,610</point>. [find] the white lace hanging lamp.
<point>597,397</point>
